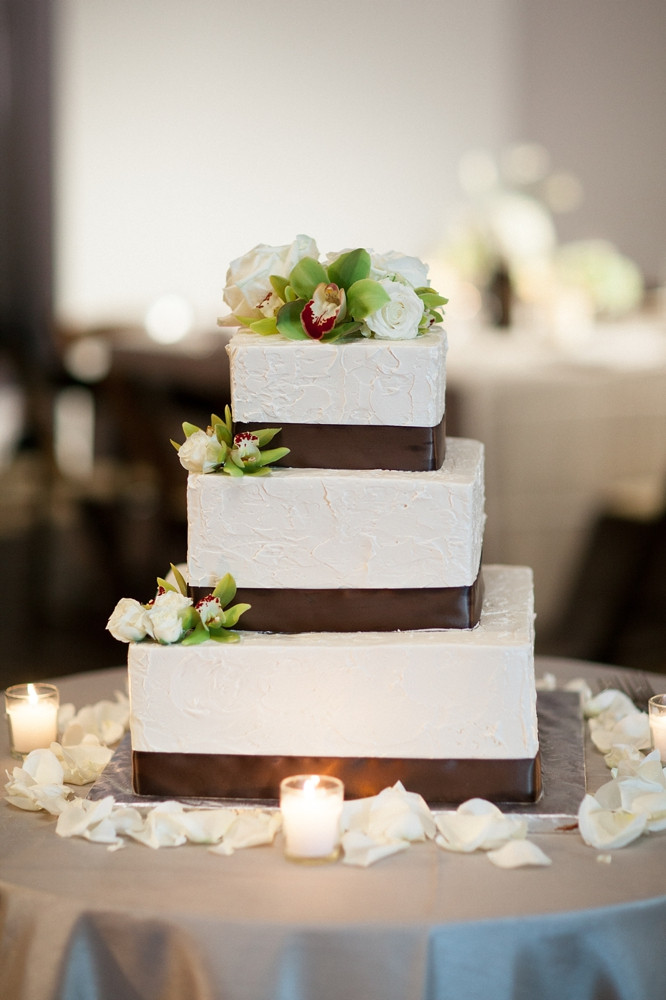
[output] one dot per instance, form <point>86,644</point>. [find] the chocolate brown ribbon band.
<point>232,776</point>
<point>359,446</point>
<point>357,610</point>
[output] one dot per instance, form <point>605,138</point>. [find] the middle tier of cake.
<point>345,551</point>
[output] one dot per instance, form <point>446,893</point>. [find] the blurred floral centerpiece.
<point>288,290</point>
<point>506,238</point>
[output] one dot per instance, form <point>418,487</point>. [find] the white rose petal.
<point>249,829</point>
<point>248,291</point>
<point>393,814</point>
<point>166,616</point>
<point>653,805</point>
<point>362,851</point>
<point>129,621</point>
<point>518,854</point>
<point>399,266</point>
<point>399,319</point>
<point>84,763</point>
<point>478,825</point>
<point>104,722</point>
<point>617,703</point>
<point>606,829</point>
<point>81,814</point>
<point>206,826</point>
<point>201,452</point>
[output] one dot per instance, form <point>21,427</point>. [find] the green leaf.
<point>175,444</point>
<point>345,329</point>
<point>366,297</point>
<point>279,285</point>
<point>199,634</point>
<point>190,429</point>
<point>164,585</point>
<point>305,277</point>
<point>431,299</point>
<point>272,455</point>
<point>266,326</point>
<point>349,267</point>
<point>223,435</point>
<point>266,434</point>
<point>191,619</point>
<point>225,591</point>
<point>231,468</point>
<point>222,635</point>
<point>289,321</point>
<point>180,580</point>
<point>231,615</point>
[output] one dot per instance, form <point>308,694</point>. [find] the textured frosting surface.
<point>337,528</point>
<point>453,693</point>
<point>398,383</point>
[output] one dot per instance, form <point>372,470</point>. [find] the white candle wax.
<point>658,729</point>
<point>311,817</point>
<point>33,720</point>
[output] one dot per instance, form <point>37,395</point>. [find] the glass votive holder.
<point>311,807</point>
<point>32,716</point>
<point>657,717</point>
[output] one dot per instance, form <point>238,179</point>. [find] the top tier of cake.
<point>366,404</point>
<point>377,382</point>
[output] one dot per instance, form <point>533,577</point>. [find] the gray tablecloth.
<point>81,923</point>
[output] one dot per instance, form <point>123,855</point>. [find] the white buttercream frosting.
<point>391,383</point>
<point>450,693</point>
<point>337,528</point>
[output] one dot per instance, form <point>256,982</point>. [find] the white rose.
<point>248,291</point>
<point>397,265</point>
<point>129,621</point>
<point>399,318</point>
<point>201,452</point>
<point>166,616</point>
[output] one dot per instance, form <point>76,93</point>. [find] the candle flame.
<point>33,697</point>
<point>310,784</point>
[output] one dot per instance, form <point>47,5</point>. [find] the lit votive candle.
<point>311,807</point>
<point>32,714</point>
<point>657,716</point>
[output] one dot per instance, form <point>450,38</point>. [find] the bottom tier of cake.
<point>450,713</point>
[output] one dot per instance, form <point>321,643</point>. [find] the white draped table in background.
<point>81,923</point>
<point>569,431</point>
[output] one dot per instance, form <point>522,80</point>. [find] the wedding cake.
<point>367,640</point>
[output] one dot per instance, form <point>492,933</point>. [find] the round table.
<point>81,922</point>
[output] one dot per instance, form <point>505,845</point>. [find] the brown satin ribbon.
<point>231,776</point>
<point>352,446</point>
<point>357,610</point>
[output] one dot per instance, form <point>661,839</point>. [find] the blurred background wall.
<point>187,133</point>
<point>146,143</point>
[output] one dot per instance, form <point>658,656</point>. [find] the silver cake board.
<point>561,739</point>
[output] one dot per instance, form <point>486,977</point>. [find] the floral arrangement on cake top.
<point>287,290</point>
<point>218,449</point>
<point>171,616</point>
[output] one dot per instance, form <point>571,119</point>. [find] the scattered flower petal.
<point>362,850</point>
<point>478,825</point>
<point>608,828</point>
<point>518,854</point>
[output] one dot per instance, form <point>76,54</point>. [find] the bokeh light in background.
<point>169,319</point>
